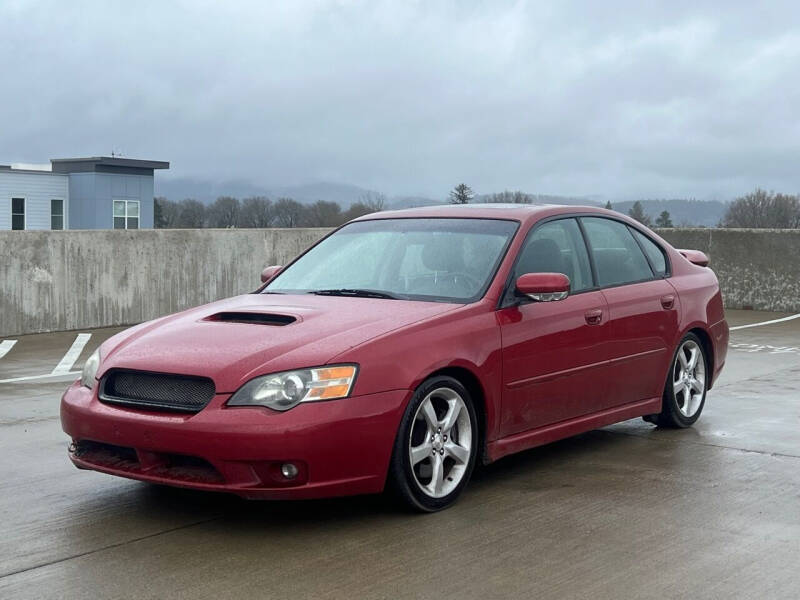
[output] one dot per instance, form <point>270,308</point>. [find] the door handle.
<point>594,316</point>
<point>668,302</point>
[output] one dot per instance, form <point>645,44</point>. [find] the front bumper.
<point>340,447</point>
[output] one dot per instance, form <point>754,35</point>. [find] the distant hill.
<point>537,198</point>
<point>204,191</point>
<point>208,191</point>
<point>684,213</point>
<point>343,193</point>
<point>398,202</point>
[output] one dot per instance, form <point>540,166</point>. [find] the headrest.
<point>444,253</point>
<point>541,256</point>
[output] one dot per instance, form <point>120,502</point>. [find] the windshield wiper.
<point>356,293</point>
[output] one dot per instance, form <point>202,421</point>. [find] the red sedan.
<point>401,349</point>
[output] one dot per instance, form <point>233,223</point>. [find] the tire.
<point>686,386</point>
<point>434,439</point>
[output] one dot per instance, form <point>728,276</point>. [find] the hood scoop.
<point>253,318</point>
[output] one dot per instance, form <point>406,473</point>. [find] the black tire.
<point>671,414</point>
<point>402,480</point>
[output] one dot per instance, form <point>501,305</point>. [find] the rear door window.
<point>618,259</point>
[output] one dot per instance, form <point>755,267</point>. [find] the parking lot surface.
<point>628,511</point>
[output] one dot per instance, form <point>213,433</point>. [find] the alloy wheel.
<point>440,442</point>
<point>689,378</point>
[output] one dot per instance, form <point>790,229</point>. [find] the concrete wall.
<point>757,268</point>
<point>61,280</point>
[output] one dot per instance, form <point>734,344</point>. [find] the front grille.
<point>177,467</point>
<point>156,391</point>
<point>107,454</point>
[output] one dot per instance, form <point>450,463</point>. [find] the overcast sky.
<point>648,99</point>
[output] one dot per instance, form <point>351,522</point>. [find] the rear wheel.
<point>685,389</point>
<point>434,453</point>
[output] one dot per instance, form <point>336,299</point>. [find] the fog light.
<point>289,470</point>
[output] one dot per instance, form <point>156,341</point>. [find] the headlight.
<point>282,391</point>
<point>90,369</point>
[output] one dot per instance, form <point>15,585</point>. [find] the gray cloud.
<point>622,99</point>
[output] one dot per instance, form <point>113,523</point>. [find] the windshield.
<point>445,260</point>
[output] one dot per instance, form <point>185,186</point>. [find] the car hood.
<point>236,339</point>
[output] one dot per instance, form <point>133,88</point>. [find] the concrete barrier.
<point>756,268</point>
<point>62,280</point>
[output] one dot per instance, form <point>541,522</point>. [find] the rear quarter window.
<point>654,253</point>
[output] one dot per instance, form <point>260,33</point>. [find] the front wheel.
<point>436,445</point>
<point>685,389</point>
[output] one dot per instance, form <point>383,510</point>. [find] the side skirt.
<point>557,431</point>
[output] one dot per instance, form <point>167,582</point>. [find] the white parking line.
<point>797,316</point>
<point>5,346</point>
<point>49,376</point>
<point>72,354</point>
<point>765,348</point>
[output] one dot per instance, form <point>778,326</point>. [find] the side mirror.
<point>270,272</point>
<point>543,287</point>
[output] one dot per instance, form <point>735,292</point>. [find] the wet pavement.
<point>628,511</point>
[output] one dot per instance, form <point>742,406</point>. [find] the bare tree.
<point>165,213</point>
<point>256,212</point>
<point>356,210</point>
<point>287,213</point>
<point>224,212</point>
<point>191,214</point>
<point>461,194</point>
<point>324,214</point>
<point>762,209</point>
<point>368,203</point>
<point>374,201</point>
<point>637,212</point>
<point>509,197</point>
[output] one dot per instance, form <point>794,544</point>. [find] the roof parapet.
<point>105,164</point>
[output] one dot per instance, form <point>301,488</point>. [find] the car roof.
<point>517,212</point>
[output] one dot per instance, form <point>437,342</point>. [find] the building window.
<point>126,214</point>
<point>56,214</point>
<point>18,213</point>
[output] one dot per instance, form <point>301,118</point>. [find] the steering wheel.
<point>459,277</point>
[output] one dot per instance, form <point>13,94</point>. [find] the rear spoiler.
<point>695,257</point>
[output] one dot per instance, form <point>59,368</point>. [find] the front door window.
<point>557,247</point>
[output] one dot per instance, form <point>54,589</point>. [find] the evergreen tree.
<point>637,212</point>
<point>461,194</point>
<point>664,220</point>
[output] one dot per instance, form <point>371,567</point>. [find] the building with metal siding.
<point>79,193</point>
<point>34,191</point>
